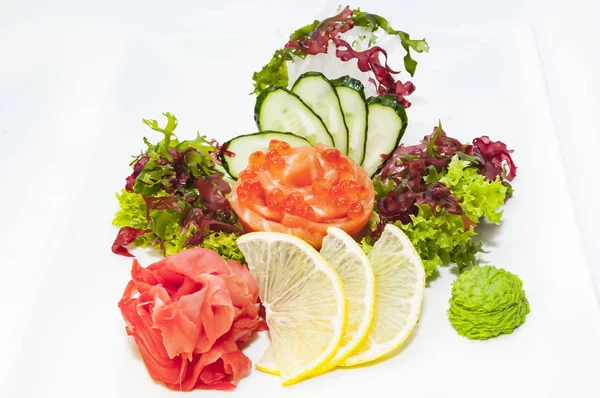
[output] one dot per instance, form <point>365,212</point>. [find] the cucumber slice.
<point>318,93</point>
<point>354,105</point>
<point>278,109</point>
<point>386,123</point>
<point>242,146</point>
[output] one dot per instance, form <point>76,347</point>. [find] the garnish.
<point>399,289</point>
<point>315,38</point>
<point>487,302</point>
<point>373,22</point>
<point>175,196</point>
<point>369,60</point>
<point>305,301</point>
<point>383,292</point>
<point>188,314</point>
<point>439,190</point>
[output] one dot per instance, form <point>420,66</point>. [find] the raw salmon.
<point>303,191</point>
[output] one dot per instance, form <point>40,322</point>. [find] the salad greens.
<point>438,192</point>
<point>314,39</point>
<point>275,72</point>
<point>487,302</point>
<point>478,197</point>
<point>373,22</point>
<point>225,244</point>
<point>176,197</point>
<point>132,211</point>
<point>440,239</point>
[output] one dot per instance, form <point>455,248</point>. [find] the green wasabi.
<point>487,302</point>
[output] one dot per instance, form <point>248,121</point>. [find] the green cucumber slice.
<point>386,124</point>
<point>242,146</point>
<point>279,109</point>
<point>317,92</point>
<point>354,106</point>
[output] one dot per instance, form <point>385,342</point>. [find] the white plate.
<point>478,81</point>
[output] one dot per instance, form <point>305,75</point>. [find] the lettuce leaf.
<point>170,164</point>
<point>440,239</point>
<point>366,244</point>
<point>478,197</point>
<point>175,195</point>
<point>382,188</point>
<point>168,229</point>
<point>174,238</point>
<point>225,244</point>
<point>275,73</point>
<point>132,212</point>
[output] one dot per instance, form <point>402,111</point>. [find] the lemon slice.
<point>400,283</point>
<point>267,362</point>
<point>304,302</point>
<point>342,252</point>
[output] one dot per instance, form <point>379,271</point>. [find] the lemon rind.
<point>320,366</point>
<point>397,342</point>
<point>342,235</point>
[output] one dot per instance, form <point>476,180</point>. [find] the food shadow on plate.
<point>252,339</point>
<point>433,277</point>
<point>389,355</point>
<point>133,347</point>
<point>487,234</point>
<point>145,254</point>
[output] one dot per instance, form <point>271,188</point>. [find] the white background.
<point>57,61</point>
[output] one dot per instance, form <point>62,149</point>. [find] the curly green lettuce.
<point>225,244</point>
<point>274,73</point>
<point>132,213</point>
<point>171,165</point>
<point>132,210</point>
<point>487,302</point>
<point>176,196</point>
<point>442,238</point>
<point>366,245</point>
<point>173,239</point>
<point>166,232</point>
<point>478,197</point>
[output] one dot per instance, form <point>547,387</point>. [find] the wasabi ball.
<point>487,302</point>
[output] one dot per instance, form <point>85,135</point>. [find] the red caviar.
<point>342,202</point>
<point>303,191</point>
<point>334,156</point>
<point>344,172</point>
<point>247,174</point>
<point>251,191</point>
<point>274,161</point>
<point>355,209</point>
<point>257,160</point>
<point>275,199</point>
<point>281,147</point>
